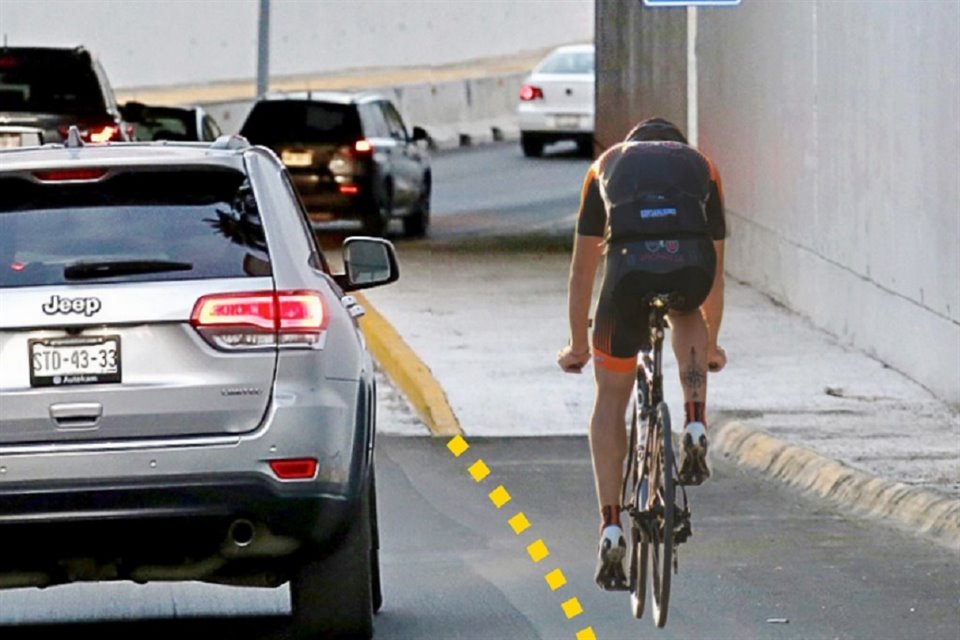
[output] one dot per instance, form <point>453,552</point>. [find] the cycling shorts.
<point>633,271</point>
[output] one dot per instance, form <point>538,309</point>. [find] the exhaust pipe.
<point>241,533</point>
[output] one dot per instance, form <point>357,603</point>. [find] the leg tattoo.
<point>694,378</point>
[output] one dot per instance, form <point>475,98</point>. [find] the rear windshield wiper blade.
<point>110,268</point>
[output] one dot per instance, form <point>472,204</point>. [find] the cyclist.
<point>653,205</point>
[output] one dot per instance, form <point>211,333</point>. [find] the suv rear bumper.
<point>196,528</point>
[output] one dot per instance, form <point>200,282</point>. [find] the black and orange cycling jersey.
<point>659,207</point>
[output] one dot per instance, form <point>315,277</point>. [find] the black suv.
<point>350,156</point>
<point>45,90</point>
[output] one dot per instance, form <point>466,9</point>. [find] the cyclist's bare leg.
<point>608,445</point>
<point>608,439</point>
<point>690,340</point>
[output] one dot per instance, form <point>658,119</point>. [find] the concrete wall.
<point>836,127</point>
<point>169,42</point>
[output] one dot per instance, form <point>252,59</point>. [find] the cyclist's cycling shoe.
<point>693,467</point>
<point>613,548</point>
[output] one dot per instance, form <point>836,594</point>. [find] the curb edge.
<point>921,511</point>
<point>406,370</point>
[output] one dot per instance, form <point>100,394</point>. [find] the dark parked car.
<point>170,123</point>
<point>350,156</point>
<point>45,90</point>
<point>184,390</point>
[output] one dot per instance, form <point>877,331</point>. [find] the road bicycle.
<point>658,523</point>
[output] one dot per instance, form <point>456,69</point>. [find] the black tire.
<point>376,218</point>
<point>415,224</point>
<point>661,544</point>
<point>531,144</point>
<point>585,147</point>
<point>638,573</point>
<point>376,586</point>
<point>332,596</point>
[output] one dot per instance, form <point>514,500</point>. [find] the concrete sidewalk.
<point>792,402</point>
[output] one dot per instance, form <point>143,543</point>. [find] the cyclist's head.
<point>656,130</point>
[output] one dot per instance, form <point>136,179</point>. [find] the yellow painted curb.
<point>408,372</point>
<point>917,510</point>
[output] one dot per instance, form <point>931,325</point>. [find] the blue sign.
<point>691,3</point>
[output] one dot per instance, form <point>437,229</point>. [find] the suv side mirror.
<point>368,262</point>
<point>419,133</point>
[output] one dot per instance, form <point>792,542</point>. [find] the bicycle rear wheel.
<point>638,548</point>
<point>661,531</point>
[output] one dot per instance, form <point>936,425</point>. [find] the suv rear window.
<point>273,123</point>
<point>137,226</point>
<point>57,82</point>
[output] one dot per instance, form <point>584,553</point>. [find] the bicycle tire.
<point>637,575</point>
<point>661,544</point>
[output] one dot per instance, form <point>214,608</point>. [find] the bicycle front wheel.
<point>661,532</point>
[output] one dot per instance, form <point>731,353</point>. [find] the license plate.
<point>297,158</point>
<point>69,361</point>
<point>9,140</point>
<point>568,122</point>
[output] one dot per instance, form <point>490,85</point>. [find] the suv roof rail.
<point>74,140</point>
<point>233,142</point>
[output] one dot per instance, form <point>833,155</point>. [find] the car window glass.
<point>163,123</point>
<point>305,223</point>
<point>210,129</point>
<point>568,62</point>
<point>274,122</point>
<point>374,124</point>
<point>49,82</point>
<point>209,221</point>
<point>394,121</point>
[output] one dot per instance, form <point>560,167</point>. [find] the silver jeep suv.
<point>184,391</point>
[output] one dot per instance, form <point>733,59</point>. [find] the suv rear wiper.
<point>110,268</point>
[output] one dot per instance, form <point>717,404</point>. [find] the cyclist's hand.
<point>572,362</point>
<point>717,359</point>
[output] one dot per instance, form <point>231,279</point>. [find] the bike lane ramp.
<point>478,333</point>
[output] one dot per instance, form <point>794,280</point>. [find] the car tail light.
<point>348,162</point>
<point>70,175</point>
<point>8,62</point>
<point>529,92</point>
<point>349,189</point>
<point>262,319</point>
<point>294,468</point>
<point>96,133</point>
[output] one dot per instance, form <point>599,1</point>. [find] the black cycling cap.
<point>656,130</point>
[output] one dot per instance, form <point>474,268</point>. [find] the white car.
<point>556,101</point>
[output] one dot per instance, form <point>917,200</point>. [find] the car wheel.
<point>531,144</point>
<point>377,217</point>
<point>416,223</point>
<point>332,596</point>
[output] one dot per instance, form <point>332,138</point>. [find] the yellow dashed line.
<point>499,497</point>
<point>519,523</point>
<point>572,608</point>
<point>538,551</point>
<point>458,446</point>
<point>479,470</point>
<point>555,579</point>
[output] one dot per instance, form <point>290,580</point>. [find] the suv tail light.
<point>294,468</point>
<point>348,163</point>
<point>261,319</point>
<point>529,92</point>
<point>96,133</point>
